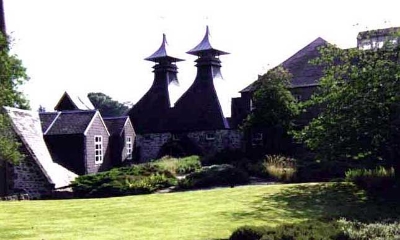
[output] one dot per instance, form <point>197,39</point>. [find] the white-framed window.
<point>210,136</point>
<point>175,137</point>
<point>129,147</point>
<point>98,149</point>
<point>252,107</point>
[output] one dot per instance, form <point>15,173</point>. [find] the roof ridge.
<point>111,118</point>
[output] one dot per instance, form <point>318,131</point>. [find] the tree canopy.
<point>359,101</point>
<point>12,75</point>
<point>106,105</point>
<point>272,102</point>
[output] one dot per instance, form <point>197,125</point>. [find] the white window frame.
<point>210,136</point>
<point>252,107</point>
<point>98,149</point>
<point>129,147</point>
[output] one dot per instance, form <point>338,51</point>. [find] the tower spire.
<point>204,47</point>
<point>150,112</point>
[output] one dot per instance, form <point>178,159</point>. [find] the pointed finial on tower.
<point>205,47</point>
<point>161,54</point>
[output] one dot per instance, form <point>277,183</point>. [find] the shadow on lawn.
<point>319,201</point>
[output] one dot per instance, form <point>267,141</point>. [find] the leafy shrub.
<point>364,231</point>
<point>138,179</point>
<point>248,233</point>
<point>179,166</point>
<point>215,175</point>
<point>373,180</point>
<point>280,168</point>
<point>312,171</point>
<point>300,231</point>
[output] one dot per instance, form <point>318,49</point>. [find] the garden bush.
<point>376,180</point>
<point>138,179</point>
<point>179,166</point>
<point>215,175</point>
<point>301,231</point>
<point>323,171</point>
<point>370,231</point>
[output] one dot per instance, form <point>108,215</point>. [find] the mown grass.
<point>206,214</point>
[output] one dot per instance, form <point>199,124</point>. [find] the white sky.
<point>99,45</point>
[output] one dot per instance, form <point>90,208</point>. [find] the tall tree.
<point>106,105</point>
<point>12,75</point>
<point>360,96</point>
<point>274,108</point>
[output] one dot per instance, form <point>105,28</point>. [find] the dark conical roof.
<point>161,53</point>
<point>205,46</point>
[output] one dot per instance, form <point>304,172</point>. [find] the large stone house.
<point>61,145</point>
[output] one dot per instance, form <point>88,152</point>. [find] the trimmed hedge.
<point>215,175</point>
<point>138,179</point>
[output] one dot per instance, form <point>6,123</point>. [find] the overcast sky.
<point>99,45</point>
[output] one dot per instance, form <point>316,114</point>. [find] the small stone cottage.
<point>59,146</point>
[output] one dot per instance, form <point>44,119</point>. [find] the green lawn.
<point>208,214</point>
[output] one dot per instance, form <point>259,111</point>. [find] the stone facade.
<point>207,142</point>
<point>27,178</point>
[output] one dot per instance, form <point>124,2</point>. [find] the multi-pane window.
<point>129,147</point>
<point>98,149</point>
<point>210,136</point>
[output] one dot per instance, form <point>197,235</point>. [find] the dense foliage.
<point>215,175</point>
<point>359,101</point>
<point>179,166</point>
<point>12,75</point>
<point>106,105</point>
<point>138,179</point>
<point>300,231</point>
<point>273,104</point>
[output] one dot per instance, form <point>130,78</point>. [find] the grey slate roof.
<point>205,46</point>
<point>26,124</point>
<point>115,125</point>
<point>161,53</point>
<point>47,118</point>
<point>304,74</point>
<point>70,122</point>
<point>79,102</point>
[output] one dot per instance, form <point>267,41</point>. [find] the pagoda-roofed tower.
<point>199,108</point>
<point>150,113</point>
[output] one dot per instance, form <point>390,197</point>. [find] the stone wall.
<point>208,142</point>
<point>28,178</point>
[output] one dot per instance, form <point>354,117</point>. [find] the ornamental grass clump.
<point>280,168</point>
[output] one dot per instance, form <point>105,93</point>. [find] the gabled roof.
<point>205,46</point>
<point>26,124</point>
<point>161,53</point>
<point>78,102</point>
<point>304,73</point>
<point>69,122</point>
<point>115,125</point>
